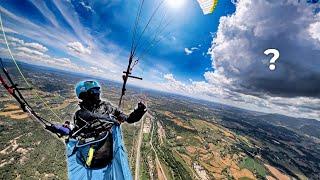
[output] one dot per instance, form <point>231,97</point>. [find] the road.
<point>138,153</point>
<point>153,149</point>
<point>137,165</point>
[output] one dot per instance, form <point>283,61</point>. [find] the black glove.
<point>137,114</point>
<point>141,107</point>
<point>117,113</point>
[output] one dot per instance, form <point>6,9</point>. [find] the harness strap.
<point>5,85</point>
<point>11,91</point>
<point>14,91</point>
<point>73,151</point>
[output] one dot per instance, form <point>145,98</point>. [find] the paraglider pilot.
<point>92,108</point>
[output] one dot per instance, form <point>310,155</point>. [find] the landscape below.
<point>182,138</point>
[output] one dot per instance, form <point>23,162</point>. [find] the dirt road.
<point>161,174</point>
<point>137,165</point>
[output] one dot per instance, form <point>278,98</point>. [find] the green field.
<point>253,166</point>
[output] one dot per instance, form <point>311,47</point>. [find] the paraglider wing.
<point>207,6</point>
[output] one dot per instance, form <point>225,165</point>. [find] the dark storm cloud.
<point>288,26</point>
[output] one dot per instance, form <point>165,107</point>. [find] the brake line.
<point>24,78</point>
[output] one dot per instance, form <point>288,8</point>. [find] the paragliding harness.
<point>96,135</point>
<point>91,132</point>
<point>97,153</point>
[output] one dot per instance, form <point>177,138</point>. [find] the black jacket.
<point>102,111</point>
<point>87,113</point>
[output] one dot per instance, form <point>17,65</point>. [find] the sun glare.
<point>175,4</point>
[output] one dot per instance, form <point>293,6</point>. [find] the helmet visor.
<point>95,90</point>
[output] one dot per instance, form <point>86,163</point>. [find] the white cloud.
<point>188,51</point>
<point>71,17</point>
<point>314,31</point>
<point>217,78</point>
<point>96,69</point>
<point>63,60</point>
<point>15,40</point>
<point>173,85</point>
<point>32,52</point>
<point>29,51</point>
<point>46,12</point>
<point>218,91</point>
<point>78,48</point>
<point>8,30</point>
<point>89,8</point>
<point>36,46</point>
<point>168,77</point>
<point>234,1</point>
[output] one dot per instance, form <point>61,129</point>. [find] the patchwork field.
<point>182,138</point>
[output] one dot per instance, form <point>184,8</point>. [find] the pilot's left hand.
<point>141,107</point>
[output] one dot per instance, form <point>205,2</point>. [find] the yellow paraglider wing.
<point>208,6</point>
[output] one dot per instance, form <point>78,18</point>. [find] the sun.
<point>175,4</point>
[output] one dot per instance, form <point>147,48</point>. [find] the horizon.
<point>156,90</point>
<point>217,57</point>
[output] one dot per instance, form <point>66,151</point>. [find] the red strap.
<point>10,90</point>
<point>5,85</point>
<point>1,80</point>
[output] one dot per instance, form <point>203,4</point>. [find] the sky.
<point>217,57</point>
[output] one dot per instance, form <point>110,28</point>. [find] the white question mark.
<point>276,55</point>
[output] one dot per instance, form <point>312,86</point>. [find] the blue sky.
<point>110,22</point>
<point>217,57</point>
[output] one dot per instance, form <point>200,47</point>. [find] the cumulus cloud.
<point>241,76</point>
<point>78,48</point>
<point>216,88</point>
<point>173,84</point>
<point>234,1</point>
<point>314,31</point>
<point>288,26</point>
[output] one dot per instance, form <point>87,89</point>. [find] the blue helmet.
<point>84,86</point>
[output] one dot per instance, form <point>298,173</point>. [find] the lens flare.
<point>175,4</point>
